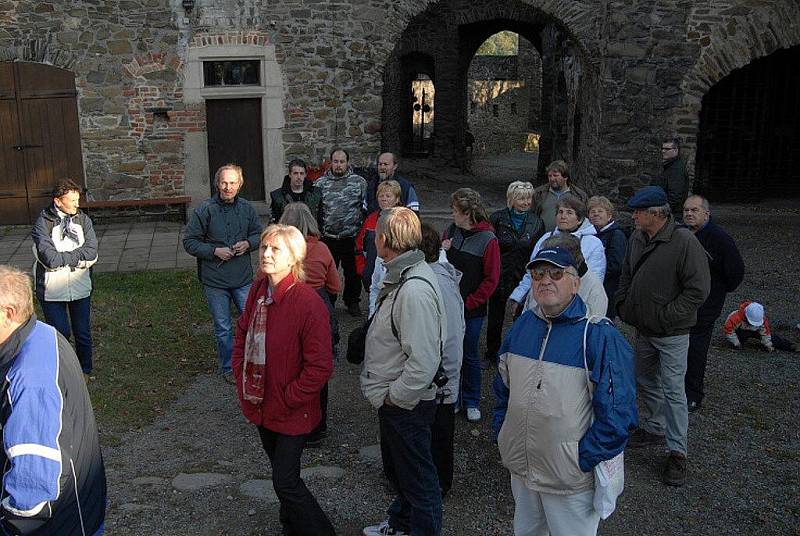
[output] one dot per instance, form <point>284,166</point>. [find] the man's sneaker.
<point>674,469</point>
<point>354,310</point>
<point>382,529</point>
<point>473,414</point>
<point>642,438</point>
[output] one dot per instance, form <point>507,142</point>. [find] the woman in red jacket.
<point>281,361</point>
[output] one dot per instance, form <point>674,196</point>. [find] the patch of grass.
<point>152,336</point>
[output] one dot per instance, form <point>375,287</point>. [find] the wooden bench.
<point>183,202</point>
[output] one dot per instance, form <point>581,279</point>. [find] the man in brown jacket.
<point>665,278</point>
<point>547,195</point>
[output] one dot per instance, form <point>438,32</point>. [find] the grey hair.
<point>662,211</point>
<point>299,215</point>
<point>704,204</point>
<point>15,292</point>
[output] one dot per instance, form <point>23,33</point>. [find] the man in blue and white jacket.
<point>54,481</point>
<point>551,431</point>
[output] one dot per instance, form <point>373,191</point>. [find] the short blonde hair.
<point>401,229</point>
<point>392,186</point>
<point>299,215</point>
<point>518,190</point>
<point>231,167</point>
<point>15,292</point>
<point>293,239</point>
<point>601,201</point>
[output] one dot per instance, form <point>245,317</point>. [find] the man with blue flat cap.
<point>665,279</point>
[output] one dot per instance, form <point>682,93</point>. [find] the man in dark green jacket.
<point>674,178</point>
<point>665,279</point>
<point>221,233</point>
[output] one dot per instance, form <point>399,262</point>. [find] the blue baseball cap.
<point>556,256</point>
<point>649,196</point>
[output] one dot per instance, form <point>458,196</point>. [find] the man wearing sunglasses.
<point>550,430</point>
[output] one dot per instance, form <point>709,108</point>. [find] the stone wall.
<point>504,100</point>
<point>617,76</point>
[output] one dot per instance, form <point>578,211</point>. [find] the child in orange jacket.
<point>750,320</point>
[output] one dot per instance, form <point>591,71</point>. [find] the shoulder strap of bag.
<point>594,319</point>
<point>395,332</point>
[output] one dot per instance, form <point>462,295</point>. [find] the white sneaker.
<point>382,529</point>
<point>473,414</point>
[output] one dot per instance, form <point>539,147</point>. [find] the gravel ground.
<point>744,444</point>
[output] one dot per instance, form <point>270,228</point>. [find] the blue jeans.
<point>407,460</point>
<point>219,302</point>
<point>74,316</point>
<point>471,366</point>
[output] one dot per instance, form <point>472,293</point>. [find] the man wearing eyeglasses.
<point>674,178</point>
<point>550,429</point>
<point>665,279</point>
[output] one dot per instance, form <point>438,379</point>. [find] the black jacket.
<point>57,482</point>
<point>674,180</point>
<point>515,246</point>
<point>727,270</point>
<point>311,196</point>
<point>615,243</point>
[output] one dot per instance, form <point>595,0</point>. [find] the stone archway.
<point>451,32</point>
<point>726,45</point>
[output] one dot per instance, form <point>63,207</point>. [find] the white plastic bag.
<point>609,481</point>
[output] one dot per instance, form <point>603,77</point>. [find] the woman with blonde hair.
<point>281,361</point>
<point>517,228</point>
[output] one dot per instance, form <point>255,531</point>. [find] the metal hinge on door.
<point>21,147</point>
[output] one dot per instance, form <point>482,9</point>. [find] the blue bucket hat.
<point>556,256</point>
<point>649,196</point>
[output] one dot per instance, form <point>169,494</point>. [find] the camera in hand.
<point>440,378</point>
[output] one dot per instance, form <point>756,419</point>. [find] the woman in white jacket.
<point>570,218</point>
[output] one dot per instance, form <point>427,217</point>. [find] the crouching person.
<point>54,480</point>
<point>281,361</point>
<point>551,431</point>
<point>402,355</point>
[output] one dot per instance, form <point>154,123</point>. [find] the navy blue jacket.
<point>615,242</point>
<point>54,480</point>
<point>215,224</point>
<point>726,266</point>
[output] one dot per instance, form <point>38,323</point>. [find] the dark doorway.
<point>40,141</point>
<point>234,136</point>
<point>747,148</point>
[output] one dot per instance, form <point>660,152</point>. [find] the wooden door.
<point>39,138</point>
<point>234,135</point>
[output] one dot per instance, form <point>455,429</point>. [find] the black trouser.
<point>442,433</point>
<point>778,342</point>
<point>323,422</point>
<point>696,359</point>
<point>343,251</point>
<point>494,325</point>
<point>406,455</point>
<point>300,513</point>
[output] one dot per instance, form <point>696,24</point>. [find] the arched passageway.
<point>447,36</point>
<point>747,147</point>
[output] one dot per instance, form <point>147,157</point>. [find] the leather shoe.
<point>693,406</point>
